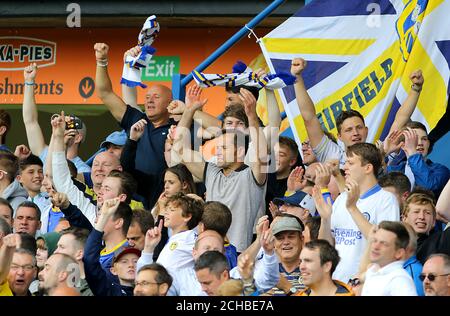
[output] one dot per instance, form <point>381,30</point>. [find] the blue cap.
<point>300,199</point>
<point>116,138</point>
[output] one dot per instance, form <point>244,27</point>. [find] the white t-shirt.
<point>177,253</point>
<point>185,283</point>
<point>327,150</point>
<point>377,205</point>
<point>391,280</point>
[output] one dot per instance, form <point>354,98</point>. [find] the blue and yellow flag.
<point>360,55</point>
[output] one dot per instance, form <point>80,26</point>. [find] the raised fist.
<point>416,78</point>
<point>133,52</point>
<point>101,51</point>
<point>29,73</point>
<point>297,66</point>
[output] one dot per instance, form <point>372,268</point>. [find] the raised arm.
<point>10,243</point>
<point>305,104</point>
<point>273,111</point>
<point>71,212</point>
<point>259,163</point>
<point>129,94</point>
<point>35,136</point>
<point>193,161</point>
<point>152,239</point>
<point>407,108</point>
<point>207,120</point>
<point>61,173</point>
<point>103,83</point>
<point>325,210</point>
<point>95,275</point>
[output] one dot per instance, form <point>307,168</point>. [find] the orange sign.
<point>66,60</point>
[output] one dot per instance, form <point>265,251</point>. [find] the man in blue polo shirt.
<point>150,147</point>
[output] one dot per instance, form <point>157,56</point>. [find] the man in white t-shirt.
<point>350,124</point>
<point>363,204</point>
<point>386,277</point>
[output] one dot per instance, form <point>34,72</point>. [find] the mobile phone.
<point>74,123</point>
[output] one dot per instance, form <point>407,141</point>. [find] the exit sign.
<point>161,68</point>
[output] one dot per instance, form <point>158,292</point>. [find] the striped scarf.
<point>243,75</point>
<point>131,73</point>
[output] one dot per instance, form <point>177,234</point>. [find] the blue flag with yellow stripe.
<point>360,54</point>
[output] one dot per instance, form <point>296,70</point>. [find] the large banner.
<point>360,54</point>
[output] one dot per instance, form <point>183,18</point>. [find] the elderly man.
<point>17,267</point>
<point>156,115</point>
<point>436,275</point>
<point>287,230</point>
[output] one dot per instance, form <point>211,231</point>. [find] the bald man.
<point>150,150</point>
<point>59,276</point>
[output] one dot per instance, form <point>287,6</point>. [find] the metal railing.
<point>179,82</point>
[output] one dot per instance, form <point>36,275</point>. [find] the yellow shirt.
<point>5,290</point>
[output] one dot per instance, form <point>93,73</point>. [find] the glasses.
<point>26,268</point>
<point>430,276</point>
<point>145,283</point>
<point>5,172</point>
<point>354,282</point>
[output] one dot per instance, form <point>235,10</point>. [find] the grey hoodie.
<point>15,194</point>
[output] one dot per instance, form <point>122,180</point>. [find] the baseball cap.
<point>299,198</point>
<point>116,138</point>
<point>124,251</point>
<point>286,223</point>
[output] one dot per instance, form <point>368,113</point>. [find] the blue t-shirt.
<point>414,269</point>
<point>150,147</point>
<point>231,254</point>
<point>53,219</point>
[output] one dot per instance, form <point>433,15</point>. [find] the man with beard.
<point>436,275</point>
<point>152,280</point>
<point>229,180</point>
<point>59,276</point>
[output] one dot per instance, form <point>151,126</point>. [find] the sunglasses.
<point>430,276</point>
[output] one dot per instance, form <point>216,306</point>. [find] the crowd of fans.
<point>182,203</point>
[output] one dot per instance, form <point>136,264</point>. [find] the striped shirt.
<point>293,277</point>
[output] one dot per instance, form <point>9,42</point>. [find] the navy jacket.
<point>96,277</point>
<point>76,217</point>
<point>427,174</point>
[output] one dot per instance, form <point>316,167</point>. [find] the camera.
<point>74,123</point>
